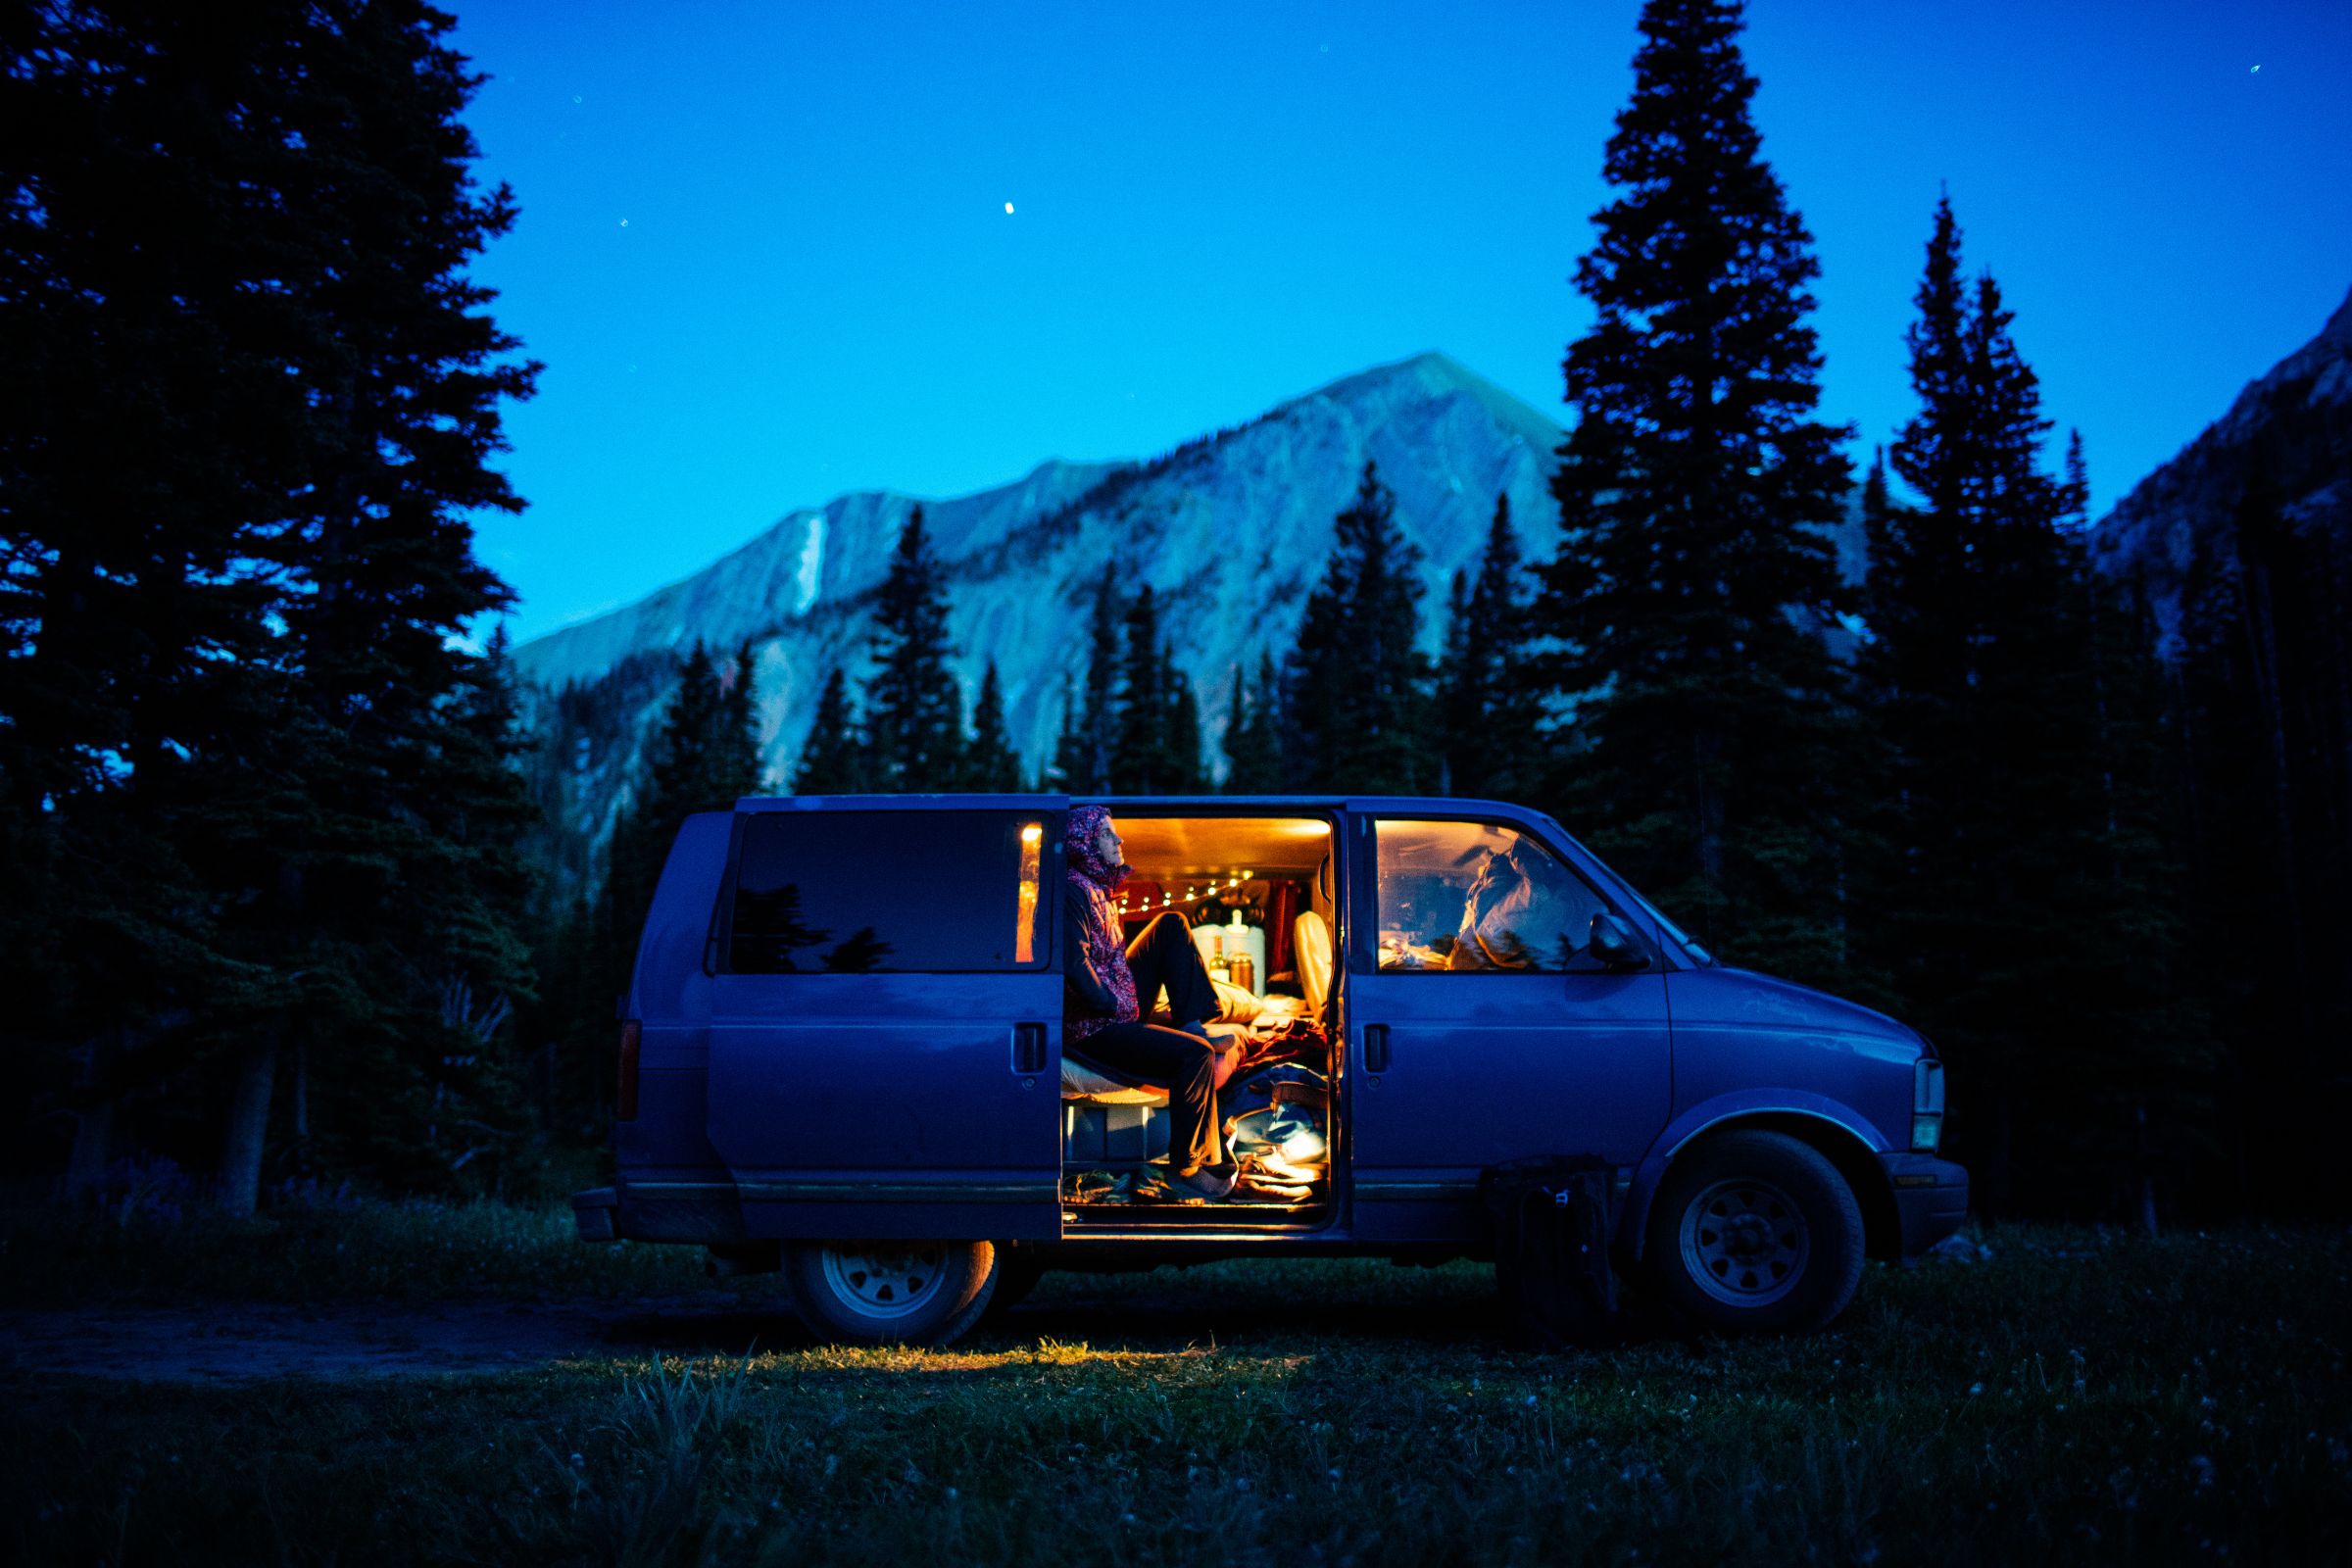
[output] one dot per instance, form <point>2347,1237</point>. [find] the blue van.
<point>842,1059</point>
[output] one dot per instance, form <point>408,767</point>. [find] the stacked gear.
<point>1553,1218</point>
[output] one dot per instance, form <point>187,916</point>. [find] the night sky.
<point>765,251</point>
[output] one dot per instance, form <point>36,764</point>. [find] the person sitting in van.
<point>1111,983</point>
<point>1513,917</point>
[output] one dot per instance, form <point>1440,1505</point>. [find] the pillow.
<point>1236,1003</point>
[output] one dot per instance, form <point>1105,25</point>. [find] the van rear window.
<point>887,893</point>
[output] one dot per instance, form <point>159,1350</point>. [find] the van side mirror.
<point>1614,943</point>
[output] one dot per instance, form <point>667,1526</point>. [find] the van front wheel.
<point>889,1293</point>
<point>1755,1231</point>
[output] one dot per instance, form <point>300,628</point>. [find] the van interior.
<point>1257,893</point>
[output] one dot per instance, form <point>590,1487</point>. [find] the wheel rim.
<point>886,1281</point>
<point>1745,1242</point>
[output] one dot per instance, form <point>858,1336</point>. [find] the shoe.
<point>1209,1181</point>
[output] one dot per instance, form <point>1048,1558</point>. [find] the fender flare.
<point>1836,1123</point>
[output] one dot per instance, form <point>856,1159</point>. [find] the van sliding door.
<point>886,1028</point>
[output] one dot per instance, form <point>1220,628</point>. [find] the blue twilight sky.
<point>765,254</point>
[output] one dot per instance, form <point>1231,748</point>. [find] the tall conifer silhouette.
<point>1694,494</point>
<point>833,758</point>
<point>2018,708</point>
<point>1354,690</point>
<point>914,710</point>
<point>990,764</point>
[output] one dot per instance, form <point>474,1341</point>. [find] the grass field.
<point>2075,1395</point>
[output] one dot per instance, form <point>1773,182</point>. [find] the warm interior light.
<point>1024,932</point>
<point>1304,1146</point>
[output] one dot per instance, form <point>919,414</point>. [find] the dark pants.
<point>1162,958</point>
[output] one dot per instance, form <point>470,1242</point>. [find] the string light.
<point>1169,901</point>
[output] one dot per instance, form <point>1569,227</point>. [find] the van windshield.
<point>1683,939</point>
<point>1698,955</point>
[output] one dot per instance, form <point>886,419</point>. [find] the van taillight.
<point>625,1100</point>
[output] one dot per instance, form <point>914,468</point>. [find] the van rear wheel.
<point>889,1293</point>
<point>1755,1231</point>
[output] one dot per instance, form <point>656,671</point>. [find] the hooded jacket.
<point>1099,988</point>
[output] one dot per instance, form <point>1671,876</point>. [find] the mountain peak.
<point>1433,374</point>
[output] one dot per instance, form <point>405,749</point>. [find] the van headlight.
<point>1927,1104</point>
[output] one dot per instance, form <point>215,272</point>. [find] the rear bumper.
<point>702,1212</point>
<point>1930,1199</point>
<point>593,1213</point>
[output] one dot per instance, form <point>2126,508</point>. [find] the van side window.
<point>887,893</point>
<point>1479,898</point>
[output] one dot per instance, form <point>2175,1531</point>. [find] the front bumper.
<point>1930,1199</point>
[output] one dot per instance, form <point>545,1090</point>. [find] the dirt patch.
<point>245,1342</point>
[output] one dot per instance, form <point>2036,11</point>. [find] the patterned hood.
<point>1099,930</point>
<point>1078,847</point>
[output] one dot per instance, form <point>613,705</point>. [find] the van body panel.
<point>1737,1030</point>
<point>670,995</point>
<point>671,982</point>
<point>889,1104</point>
<point>1482,1069</point>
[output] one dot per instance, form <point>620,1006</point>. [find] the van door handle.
<point>1376,1047</point>
<point>1028,1048</point>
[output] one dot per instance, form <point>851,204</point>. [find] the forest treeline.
<point>270,820</point>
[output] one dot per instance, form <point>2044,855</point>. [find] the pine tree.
<point>1697,489</point>
<point>832,760</point>
<point>1099,716</point>
<point>154,439</point>
<point>1490,708</point>
<point>680,776</point>
<point>293,284</point>
<point>1067,762</point>
<point>1141,762</point>
<point>990,764</point>
<point>735,770</point>
<point>1253,761</point>
<point>914,708</point>
<point>2019,902</point>
<point>1461,693</point>
<point>1355,685</point>
<point>1181,741</point>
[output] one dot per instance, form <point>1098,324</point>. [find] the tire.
<point>1754,1232</point>
<point>889,1293</point>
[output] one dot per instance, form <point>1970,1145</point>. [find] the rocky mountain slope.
<point>1231,530</point>
<point>2293,424</point>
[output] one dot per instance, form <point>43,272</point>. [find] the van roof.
<point>1447,805</point>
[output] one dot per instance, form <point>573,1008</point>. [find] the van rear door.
<point>886,1021</point>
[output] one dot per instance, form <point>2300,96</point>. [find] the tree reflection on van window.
<point>883,893</point>
<point>768,930</point>
<point>861,954</point>
<point>1479,898</point>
